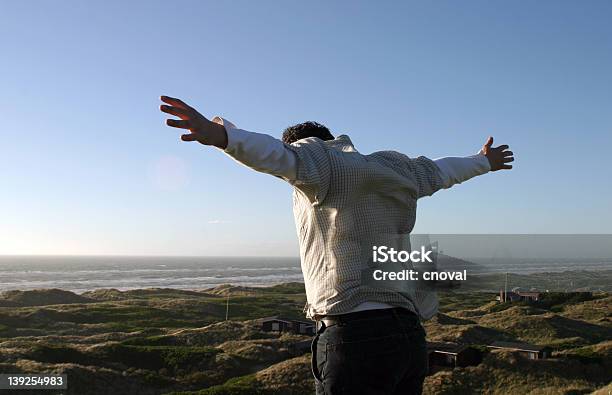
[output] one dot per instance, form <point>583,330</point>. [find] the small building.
<point>452,355</point>
<point>531,351</point>
<point>516,296</point>
<point>280,324</point>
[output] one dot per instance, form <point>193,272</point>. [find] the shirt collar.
<point>343,143</point>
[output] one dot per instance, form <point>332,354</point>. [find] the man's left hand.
<point>498,157</point>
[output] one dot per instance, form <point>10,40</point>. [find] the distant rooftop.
<point>447,348</point>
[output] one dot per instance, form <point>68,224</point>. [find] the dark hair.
<point>304,130</point>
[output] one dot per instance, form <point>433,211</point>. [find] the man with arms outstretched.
<point>369,340</point>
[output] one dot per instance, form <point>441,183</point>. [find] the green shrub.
<point>557,300</point>
<point>586,355</point>
<point>173,358</point>
<point>59,354</point>
<point>160,340</point>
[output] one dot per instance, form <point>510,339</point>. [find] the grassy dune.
<point>165,341</point>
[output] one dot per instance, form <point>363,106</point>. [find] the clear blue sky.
<point>87,165</point>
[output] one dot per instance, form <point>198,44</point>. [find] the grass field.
<point>162,341</point>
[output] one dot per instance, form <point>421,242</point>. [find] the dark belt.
<point>329,320</point>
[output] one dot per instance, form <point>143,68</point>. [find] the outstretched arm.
<point>260,152</point>
<point>455,170</point>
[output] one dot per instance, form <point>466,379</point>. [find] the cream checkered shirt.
<point>345,202</point>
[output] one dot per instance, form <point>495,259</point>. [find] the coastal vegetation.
<point>167,341</point>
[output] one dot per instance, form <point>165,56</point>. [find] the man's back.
<point>357,201</point>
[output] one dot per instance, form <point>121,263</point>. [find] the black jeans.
<point>382,353</point>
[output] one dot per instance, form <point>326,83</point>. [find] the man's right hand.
<point>201,129</point>
<point>498,157</point>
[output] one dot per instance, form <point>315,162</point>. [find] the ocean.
<point>79,274</point>
<point>84,273</point>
